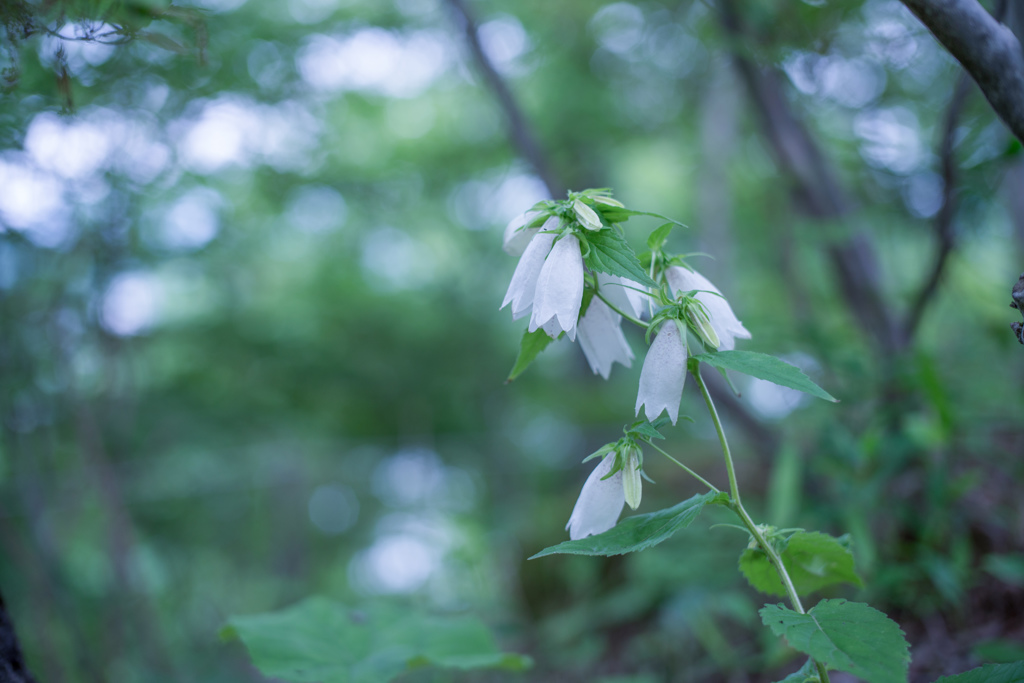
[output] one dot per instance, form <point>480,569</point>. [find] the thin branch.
<point>944,218</point>
<point>519,128</point>
<point>988,51</point>
<point>817,191</point>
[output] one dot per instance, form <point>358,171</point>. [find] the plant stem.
<point>688,470</point>
<point>627,316</point>
<point>736,506</point>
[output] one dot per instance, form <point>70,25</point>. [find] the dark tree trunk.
<point>12,664</point>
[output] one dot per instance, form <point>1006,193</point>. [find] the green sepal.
<point>656,240</point>
<point>639,532</point>
<point>529,348</point>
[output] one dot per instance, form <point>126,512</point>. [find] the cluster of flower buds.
<point>578,276</point>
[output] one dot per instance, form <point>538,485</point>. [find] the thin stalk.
<point>627,316</point>
<point>688,470</point>
<point>737,506</point>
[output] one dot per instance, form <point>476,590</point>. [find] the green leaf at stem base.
<point>849,636</point>
<point>639,532</point>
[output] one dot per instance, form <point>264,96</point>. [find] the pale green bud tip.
<point>703,325</point>
<point>608,201</point>
<point>587,216</point>
<point>631,482</point>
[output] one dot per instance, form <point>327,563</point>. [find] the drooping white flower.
<point>600,502</point>
<point>601,338</point>
<point>516,239</point>
<point>523,286</point>
<point>559,290</point>
<point>623,293</point>
<point>725,323</point>
<point>663,374</point>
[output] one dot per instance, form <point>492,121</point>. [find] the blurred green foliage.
<point>250,347</point>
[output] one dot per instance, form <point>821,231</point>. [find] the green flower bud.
<point>587,216</point>
<point>631,483</point>
<point>608,201</point>
<point>702,325</point>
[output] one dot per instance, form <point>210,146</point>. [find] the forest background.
<point>250,351</point>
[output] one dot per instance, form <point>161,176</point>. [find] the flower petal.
<point>601,338</point>
<point>524,281</point>
<point>600,502</point>
<point>517,238</point>
<point>623,293</point>
<point>723,320</point>
<point>559,291</point>
<point>663,374</point>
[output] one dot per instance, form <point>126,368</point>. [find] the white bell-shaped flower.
<point>601,338</point>
<point>600,502</point>
<point>625,294</point>
<point>663,374</point>
<point>725,323</point>
<point>517,237</point>
<point>524,280</point>
<point>559,290</point>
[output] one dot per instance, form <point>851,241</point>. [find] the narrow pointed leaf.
<point>529,348</point>
<point>614,214</point>
<point>645,429</point>
<point>813,560</point>
<point>657,239</point>
<point>849,636</point>
<point>765,367</point>
<point>610,253</point>
<point>638,532</point>
<point>990,673</point>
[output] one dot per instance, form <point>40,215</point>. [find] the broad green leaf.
<point>529,348</point>
<point>849,636</point>
<point>323,641</point>
<point>657,239</point>
<point>610,253</point>
<point>765,367</point>
<point>813,560</point>
<point>638,532</point>
<point>808,673</point>
<point>990,673</point>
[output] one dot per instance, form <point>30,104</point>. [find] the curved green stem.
<point>736,506</point>
<point>627,316</point>
<point>688,470</point>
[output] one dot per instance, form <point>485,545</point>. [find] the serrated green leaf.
<point>381,641</point>
<point>990,673</point>
<point>610,253</point>
<point>813,560</point>
<point>765,367</point>
<point>656,240</point>
<point>849,636</point>
<point>638,532</point>
<point>529,348</point>
<point>808,673</point>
